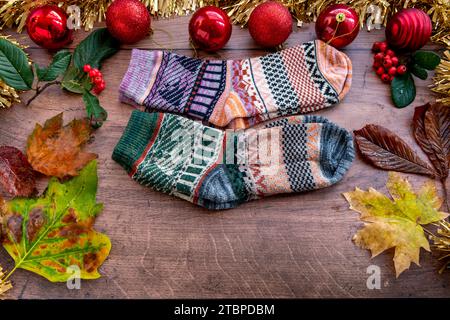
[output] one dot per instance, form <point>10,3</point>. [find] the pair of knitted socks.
<point>219,169</point>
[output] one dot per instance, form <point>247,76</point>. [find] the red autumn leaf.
<point>16,174</point>
<point>55,150</point>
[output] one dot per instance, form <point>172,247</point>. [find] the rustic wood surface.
<point>283,246</point>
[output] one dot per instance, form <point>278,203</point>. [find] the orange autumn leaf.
<point>55,150</point>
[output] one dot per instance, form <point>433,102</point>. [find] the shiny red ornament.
<point>47,27</point>
<point>270,24</point>
<point>128,21</point>
<point>337,25</point>
<point>210,28</point>
<point>409,29</point>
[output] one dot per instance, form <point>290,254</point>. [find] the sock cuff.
<point>136,139</point>
<point>140,76</point>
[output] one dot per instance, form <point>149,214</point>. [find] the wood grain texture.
<point>282,246</point>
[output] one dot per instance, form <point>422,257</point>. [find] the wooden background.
<point>285,246</point>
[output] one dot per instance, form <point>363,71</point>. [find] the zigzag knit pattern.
<point>220,169</point>
<point>238,93</point>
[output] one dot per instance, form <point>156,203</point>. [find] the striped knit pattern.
<point>221,169</point>
<point>238,93</point>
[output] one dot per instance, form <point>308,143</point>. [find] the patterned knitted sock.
<point>220,169</point>
<point>238,93</point>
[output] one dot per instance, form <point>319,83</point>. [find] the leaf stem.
<point>10,273</point>
<point>39,90</point>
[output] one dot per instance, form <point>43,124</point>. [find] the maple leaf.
<point>53,234</point>
<point>396,223</point>
<point>55,150</point>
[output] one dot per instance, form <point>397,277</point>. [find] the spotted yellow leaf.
<point>397,222</point>
<point>53,235</point>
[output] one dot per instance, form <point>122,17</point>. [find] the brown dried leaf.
<point>55,150</point>
<point>437,129</point>
<point>387,151</point>
<point>418,126</point>
<point>16,174</point>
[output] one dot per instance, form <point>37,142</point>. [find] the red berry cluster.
<point>386,62</point>
<point>96,78</point>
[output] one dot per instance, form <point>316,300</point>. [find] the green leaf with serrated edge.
<point>403,90</point>
<point>98,46</point>
<point>15,70</point>
<point>94,110</point>
<point>76,81</point>
<point>54,234</point>
<point>419,72</point>
<point>58,66</point>
<point>426,59</point>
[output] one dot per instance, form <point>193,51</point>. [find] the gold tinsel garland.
<point>442,79</point>
<point>5,285</point>
<point>441,242</point>
<point>13,13</point>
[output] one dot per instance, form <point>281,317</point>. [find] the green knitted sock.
<point>220,169</point>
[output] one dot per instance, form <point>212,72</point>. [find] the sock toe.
<point>335,66</point>
<point>336,152</point>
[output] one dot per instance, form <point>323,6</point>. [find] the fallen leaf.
<point>55,150</point>
<point>53,235</point>
<point>396,223</point>
<point>16,174</point>
<point>431,129</point>
<point>437,128</point>
<point>385,150</point>
<point>418,126</point>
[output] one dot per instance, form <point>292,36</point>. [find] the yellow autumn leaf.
<point>396,223</point>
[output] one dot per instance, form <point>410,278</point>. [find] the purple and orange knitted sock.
<point>219,169</point>
<point>238,93</point>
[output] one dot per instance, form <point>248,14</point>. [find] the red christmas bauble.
<point>337,25</point>
<point>409,29</point>
<point>270,24</point>
<point>210,28</point>
<point>128,20</point>
<point>47,27</point>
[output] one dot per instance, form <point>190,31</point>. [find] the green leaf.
<point>76,81</point>
<point>419,72</point>
<point>58,66</point>
<point>54,234</point>
<point>15,70</point>
<point>95,111</point>
<point>426,59</point>
<point>98,46</point>
<point>403,90</point>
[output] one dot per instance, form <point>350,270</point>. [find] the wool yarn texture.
<point>238,94</point>
<point>220,169</point>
